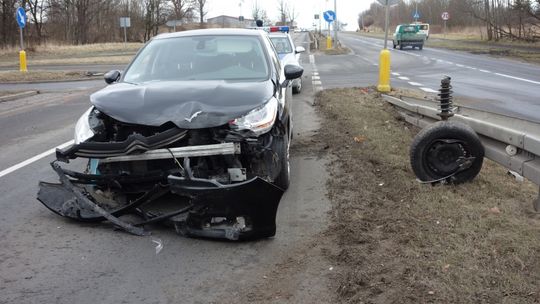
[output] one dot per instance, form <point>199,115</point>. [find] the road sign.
<point>21,17</point>
<point>329,16</point>
<point>316,16</point>
<point>445,16</point>
<point>125,22</point>
<point>416,15</point>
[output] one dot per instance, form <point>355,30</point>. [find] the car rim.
<point>442,158</point>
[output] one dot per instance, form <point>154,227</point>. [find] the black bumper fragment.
<point>255,199</point>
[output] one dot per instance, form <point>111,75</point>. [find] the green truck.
<point>408,35</point>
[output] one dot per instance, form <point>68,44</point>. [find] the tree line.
<point>495,19</point>
<point>94,21</point>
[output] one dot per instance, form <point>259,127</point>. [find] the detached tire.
<point>438,149</point>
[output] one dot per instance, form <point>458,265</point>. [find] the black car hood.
<point>187,104</point>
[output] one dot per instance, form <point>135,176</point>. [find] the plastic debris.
<point>159,245</point>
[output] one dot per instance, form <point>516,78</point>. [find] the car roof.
<point>212,32</point>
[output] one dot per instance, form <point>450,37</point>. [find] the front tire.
<point>282,150</point>
<point>447,151</point>
<point>400,46</point>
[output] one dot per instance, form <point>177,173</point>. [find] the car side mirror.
<point>112,76</point>
<point>293,71</point>
<point>299,49</point>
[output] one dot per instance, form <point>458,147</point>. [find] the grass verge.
<point>402,241</point>
<point>16,76</point>
<point>101,53</point>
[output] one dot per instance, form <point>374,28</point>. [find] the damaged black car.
<point>195,133</point>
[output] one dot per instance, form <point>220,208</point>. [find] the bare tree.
<point>201,9</point>
<point>292,14</point>
<point>282,10</point>
<point>38,9</point>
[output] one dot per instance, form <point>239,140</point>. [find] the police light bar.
<point>272,29</point>
<point>284,29</point>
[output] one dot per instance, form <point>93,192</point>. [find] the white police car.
<point>288,53</point>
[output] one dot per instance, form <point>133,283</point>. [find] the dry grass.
<point>405,242</point>
<point>16,76</point>
<point>114,53</point>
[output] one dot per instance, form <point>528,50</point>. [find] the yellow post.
<point>328,42</point>
<point>22,61</point>
<point>384,72</point>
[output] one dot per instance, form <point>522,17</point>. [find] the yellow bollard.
<point>22,61</point>
<point>328,42</point>
<point>384,72</point>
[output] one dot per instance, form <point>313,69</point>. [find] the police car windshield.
<point>282,44</point>
<point>217,57</point>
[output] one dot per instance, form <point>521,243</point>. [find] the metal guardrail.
<point>511,142</point>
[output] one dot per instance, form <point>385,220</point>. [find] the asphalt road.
<point>47,259</point>
<point>495,84</point>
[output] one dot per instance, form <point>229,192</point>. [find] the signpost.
<point>125,22</point>
<point>445,16</point>
<point>20,15</point>
<point>329,16</point>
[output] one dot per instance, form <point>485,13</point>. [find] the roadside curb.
<point>18,95</point>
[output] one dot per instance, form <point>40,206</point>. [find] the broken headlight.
<point>258,121</point>
<point>83,131</point>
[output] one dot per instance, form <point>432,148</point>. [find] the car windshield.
<point>281,44</point>
<point>409,29</point>
<point>217,57</point>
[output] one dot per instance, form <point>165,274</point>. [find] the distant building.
<point>228,21</point>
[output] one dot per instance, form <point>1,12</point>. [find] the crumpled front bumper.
<point>256,201</point>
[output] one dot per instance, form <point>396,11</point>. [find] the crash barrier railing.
<point>511,142</point>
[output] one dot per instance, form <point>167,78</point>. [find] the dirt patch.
<point>402,241</point>
<point>16,76</point>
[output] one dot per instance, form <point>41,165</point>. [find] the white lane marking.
<point>314,77</point>
<point>395,74</point>
<point>485,71</point>
<point>428,90</point>
<point>316,83</point>
<point>460,65</point>
<point>375,64</point>
<point>517,78</point>
<point>434,59</point>
<point>311,59</point>
<point>33,159</point>
<point>315,73</point>
<point>403,78</point>
<point>415,83</point>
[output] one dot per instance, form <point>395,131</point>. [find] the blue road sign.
<point>329,16</point>
<point>416,15</point>
<point>21,17</point>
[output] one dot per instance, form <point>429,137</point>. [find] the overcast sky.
<point>347,10</point>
